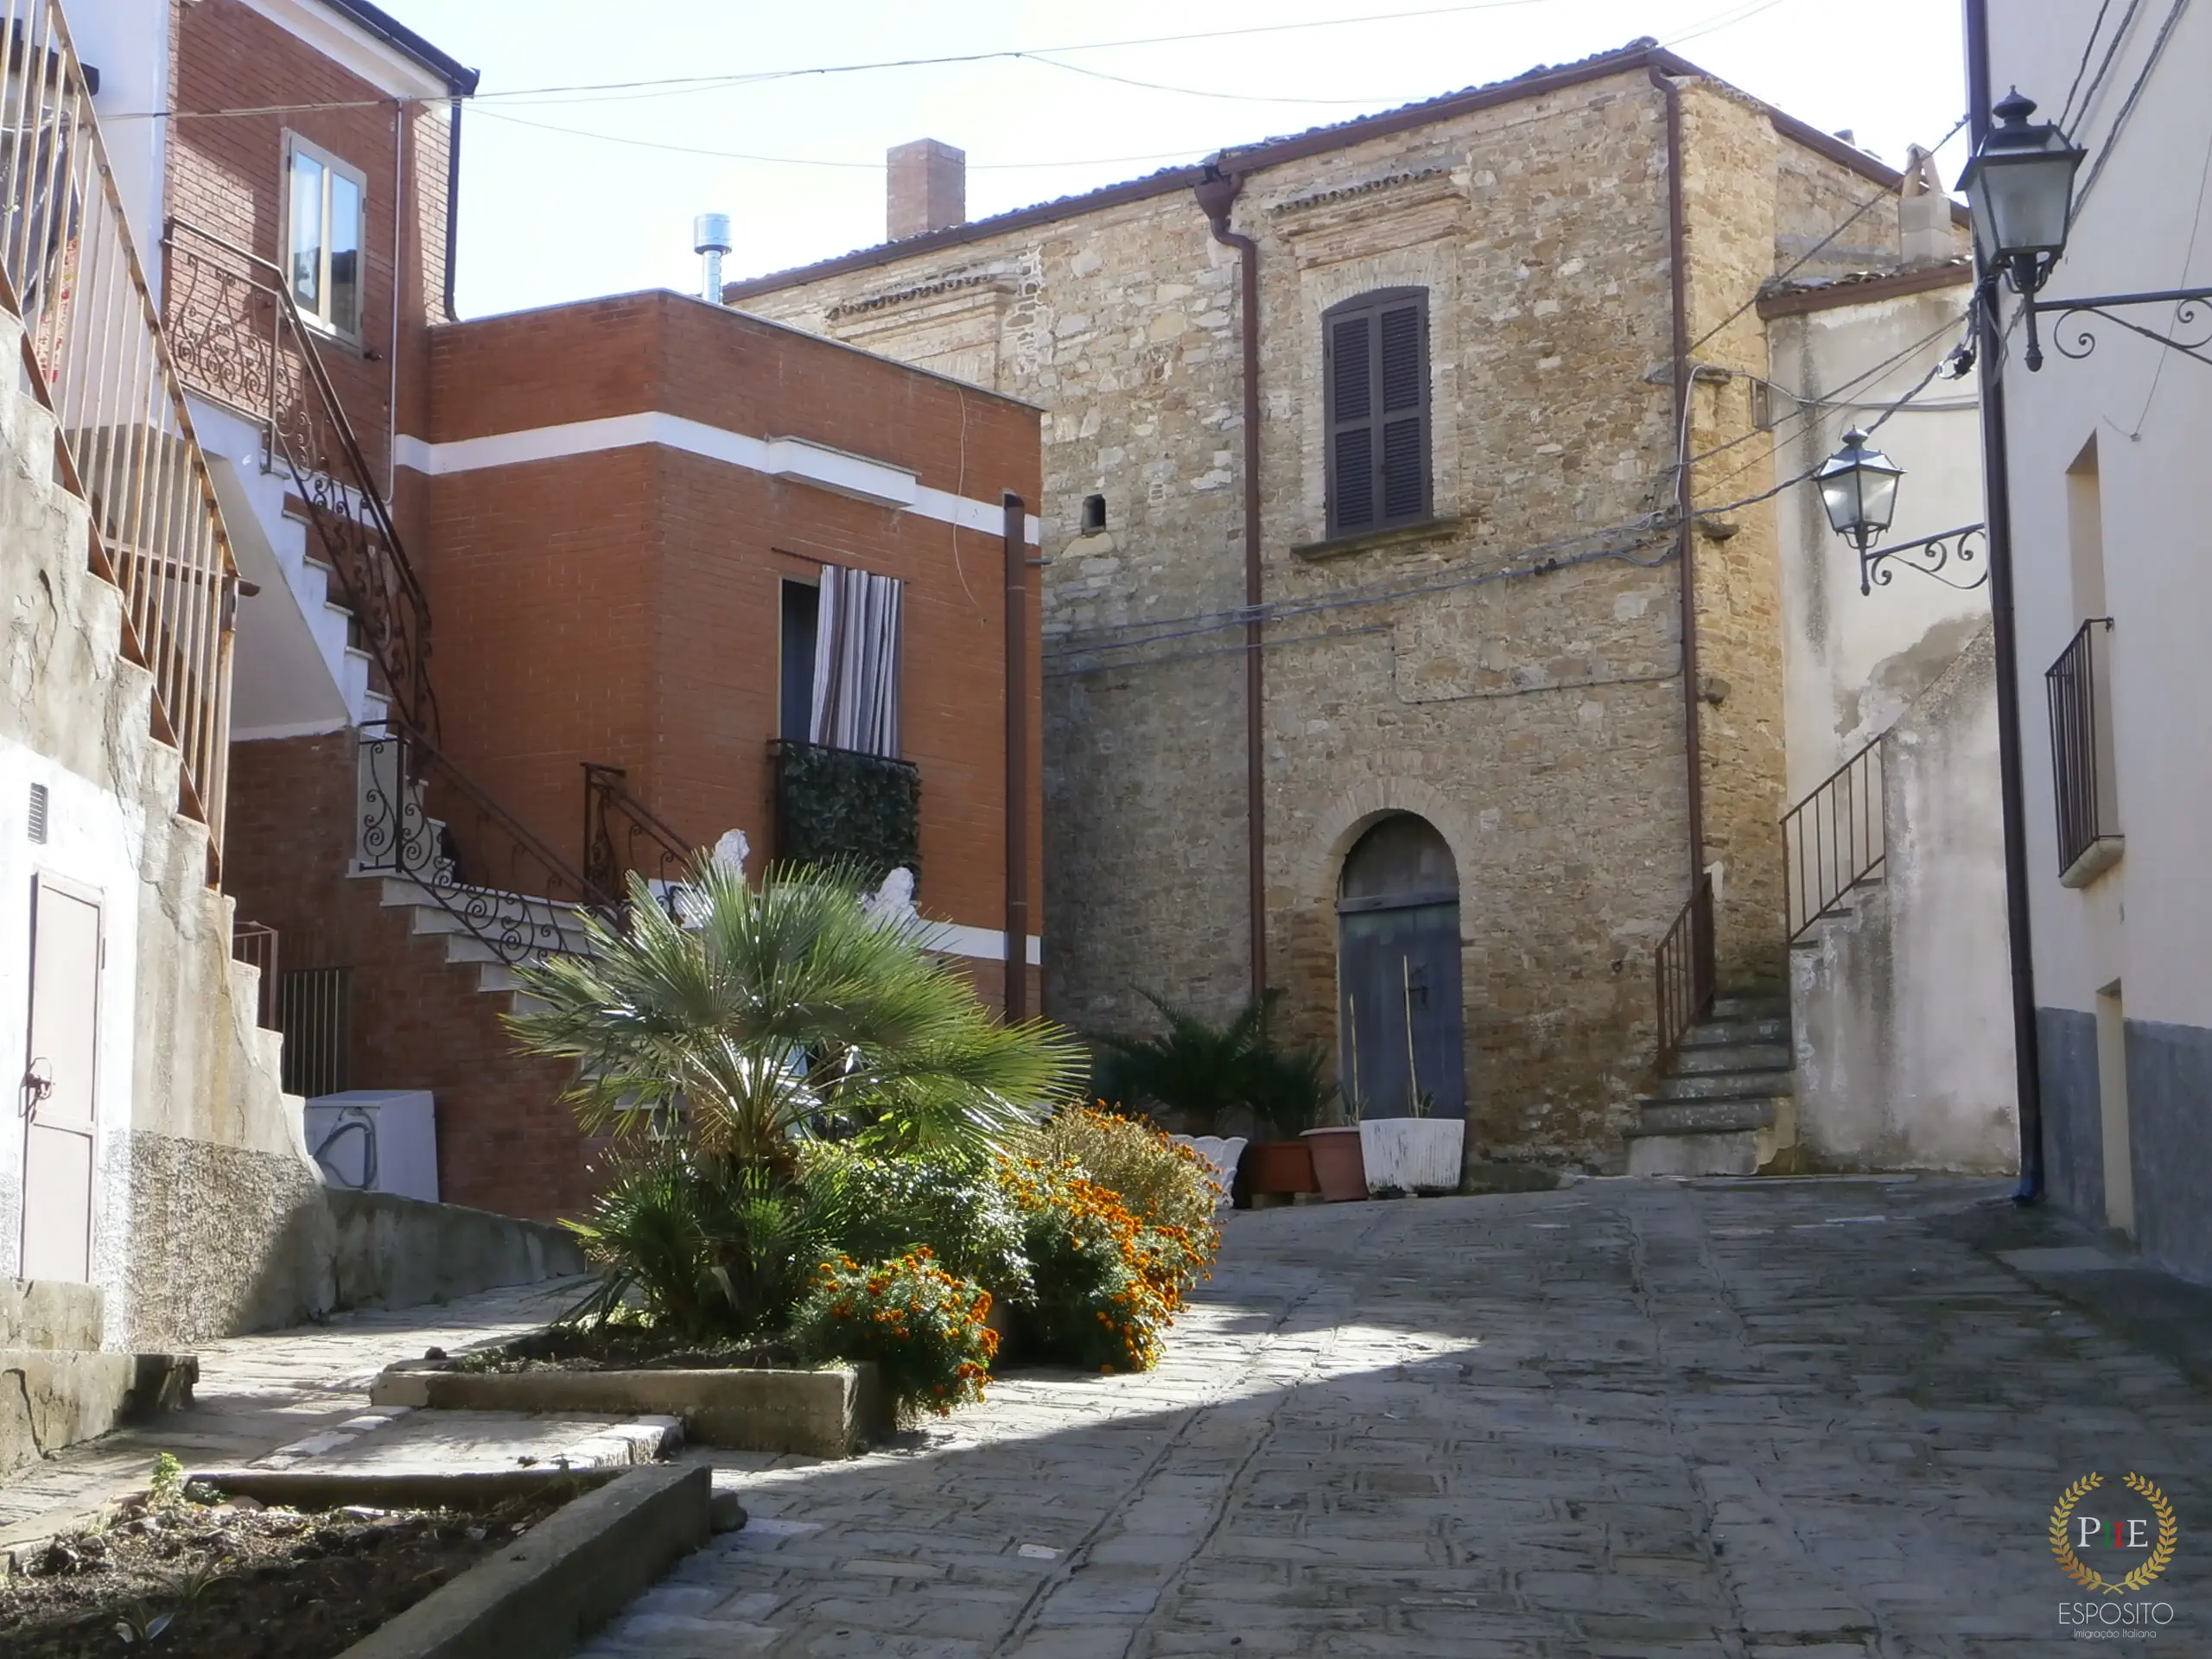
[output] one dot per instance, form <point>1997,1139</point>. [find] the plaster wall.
<point>208,1214</point>
<point>1901,1012</point>
<point>2139,928</point>
<point>1856,662</point>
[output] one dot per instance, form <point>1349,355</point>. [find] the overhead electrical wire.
<point>2088,49</point>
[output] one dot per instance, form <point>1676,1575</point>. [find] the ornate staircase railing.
<point>1688,981</point>
<point>622,833</point>
<point>1833,839</point>
<point>94,355</point>
<point>240,342</point>
<point>424,818</point>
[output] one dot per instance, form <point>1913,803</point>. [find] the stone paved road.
<point>1627,1419</point>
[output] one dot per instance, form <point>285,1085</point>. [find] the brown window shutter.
<point>1377,381</point>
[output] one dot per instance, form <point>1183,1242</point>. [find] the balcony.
<point>839,805</point>
<point>2083,782</point>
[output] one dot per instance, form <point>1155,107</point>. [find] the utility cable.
<point>2088,49</point>
<point>2112,50</point>
<point>2127,107</point>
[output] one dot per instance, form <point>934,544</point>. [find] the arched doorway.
<point>1398,998</point>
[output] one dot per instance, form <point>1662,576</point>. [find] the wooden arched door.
<point>1399,1017</point>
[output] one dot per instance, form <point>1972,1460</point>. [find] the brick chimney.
<point>1924,211</point>
<point>929,187</point>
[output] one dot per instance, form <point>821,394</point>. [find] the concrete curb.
<point>829,1413</point>
<point>418,1489</point>
<point>537,1598</point>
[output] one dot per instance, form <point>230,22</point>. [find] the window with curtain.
<point>1375,375</point>
<point>323,230</point>
<point>857,657</point>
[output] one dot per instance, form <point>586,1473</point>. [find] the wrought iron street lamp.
<point>2019,189</point>
<point>1859,491</point>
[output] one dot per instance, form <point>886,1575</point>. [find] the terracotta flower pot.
<point>1277,1166</point>
<point>1337,1164</point>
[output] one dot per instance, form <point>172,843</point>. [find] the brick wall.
<point>506,1143</point>
<point>226,173</point>
<point>622,606</point>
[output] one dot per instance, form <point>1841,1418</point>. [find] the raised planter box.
<point>562,1578</point>
<point>1412,1154</point>
<point>831,1413</point>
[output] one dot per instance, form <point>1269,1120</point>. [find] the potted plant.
<point>1339,1167</point>
<point>1195,1072</point>
<point>1419,1154</point>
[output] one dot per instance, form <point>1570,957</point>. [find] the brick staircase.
<point>1726,1104</point>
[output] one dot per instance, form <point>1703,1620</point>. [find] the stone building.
<point>1365,597</point>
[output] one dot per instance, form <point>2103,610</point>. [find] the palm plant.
<point>1201,1070</point>
<point>763,1018</point>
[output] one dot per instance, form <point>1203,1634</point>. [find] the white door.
<point>58,1088</point>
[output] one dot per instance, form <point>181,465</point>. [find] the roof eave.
<point>457,76</point>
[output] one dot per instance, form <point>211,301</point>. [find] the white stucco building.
<point>2109,494</point>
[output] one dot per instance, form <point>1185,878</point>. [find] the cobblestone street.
<point>1626,1418</point>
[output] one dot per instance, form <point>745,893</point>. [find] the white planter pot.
<point>1412,1154</point>
<point>1222,1153</point>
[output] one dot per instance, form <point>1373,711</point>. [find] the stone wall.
<point>1509,671</point>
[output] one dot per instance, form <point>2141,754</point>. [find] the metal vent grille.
<point>38,812</point>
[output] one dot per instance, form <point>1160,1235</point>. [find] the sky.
<point>572,187</point>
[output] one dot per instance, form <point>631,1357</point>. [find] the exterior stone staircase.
<point>1727,1105</point>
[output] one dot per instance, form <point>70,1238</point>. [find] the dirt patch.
<point>191,1581</point>
<point>620,1348</point>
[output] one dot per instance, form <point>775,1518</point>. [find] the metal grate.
<point>2080,744</point>
<point>255,944</point>
<point>38,813</point>
<point>314,1012</point>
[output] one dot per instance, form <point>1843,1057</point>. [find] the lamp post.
<point>2019,189</point>
<point>1859,491</point>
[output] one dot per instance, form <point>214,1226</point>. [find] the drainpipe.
<point>1996,485</point>
<point>1685,545</point>
<point>1016,998</point>
<point>1217,194</point>
<point>453,209</point>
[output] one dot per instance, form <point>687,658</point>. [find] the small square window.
<point>324,208</point>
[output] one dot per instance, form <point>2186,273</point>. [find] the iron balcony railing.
<point>240,342</point>
<point>95,353</point>
<point>1688,978</point>
<point>1833,839</point>
<point>255,944</point>
<point>2083,781</point>
<point>840,806</point>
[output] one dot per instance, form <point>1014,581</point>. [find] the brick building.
<point>541,596</point>
<point>1366,668</point>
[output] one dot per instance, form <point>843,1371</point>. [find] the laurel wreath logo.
<point>2088,1577</point>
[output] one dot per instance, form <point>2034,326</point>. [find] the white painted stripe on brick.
<point>984,943</point>
<point>796,458</point>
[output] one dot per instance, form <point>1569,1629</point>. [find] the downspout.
<point>1217,194</point>
<point>453,208</point>
<point>1996,485</point>
<point>1685,542</point>
<point>1015,999</point>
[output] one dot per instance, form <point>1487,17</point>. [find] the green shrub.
<point>923,1328</point>
<point>701,1247</point>
<point>1104,1286</point>
<point>1198,1070</point>
<point>888,1207</point>
<point>1162,1183</point>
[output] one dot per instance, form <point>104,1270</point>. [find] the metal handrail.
<point>255,944</point>
<point>2081,761</point>
<point>94,355</point>
<point>425,819</point>
<point>1688,980</point>
<point>1833,839</point>
<point>605,865</point>
<point>220,295</point>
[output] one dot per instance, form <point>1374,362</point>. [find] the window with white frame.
<point>323,224</point>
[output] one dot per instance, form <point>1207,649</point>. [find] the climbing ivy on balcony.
<point>834,805</point>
